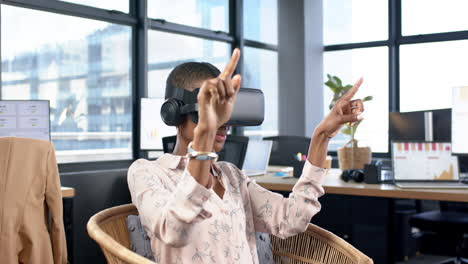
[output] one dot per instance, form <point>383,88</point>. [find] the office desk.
<point>334,185</point>
<point>68,192</point>
<point>360,213</point>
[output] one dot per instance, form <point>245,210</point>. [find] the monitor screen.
<point>23,118</point>
<point>423,161</point>
<point>257,155</point>
<point>460,120</point>
<point>406,126</point>
<point>152,128</point>
<point>411,125</point>
<point>442,125</point>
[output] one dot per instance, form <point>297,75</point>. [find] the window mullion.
<point>394,54</point>
<point>236,29</point>
<point>140,70</point>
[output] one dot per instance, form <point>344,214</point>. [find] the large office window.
<point>83,67</point>
<point>429,71</point>
<point>354,21</point>
<point>347,23</point>
<point>434,61</point>
<point>117,5</point>
<point>372,64</point>
<point>410,52</point>
<point>84,57</point>
<point>167,50</point>
<point>209,14</point>
<point>261,20</point>
<point>260,69</point>
<point>433,16</point>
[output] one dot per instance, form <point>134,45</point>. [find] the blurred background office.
<point>95,60</point>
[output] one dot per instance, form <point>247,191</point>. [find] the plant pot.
<point>354,158</point>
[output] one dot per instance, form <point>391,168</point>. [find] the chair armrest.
<point>317,245</point>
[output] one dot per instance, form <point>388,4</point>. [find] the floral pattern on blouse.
<point>188,223</point>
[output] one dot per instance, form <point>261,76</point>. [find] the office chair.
<point>234,149</point>
<point>284,151</point>
<point>169,143</point>
<point>316,245</point>
<point>451,221</point>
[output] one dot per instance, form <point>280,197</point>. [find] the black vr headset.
<point>249,108</point>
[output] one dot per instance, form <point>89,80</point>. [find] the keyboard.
<point>432,185</point>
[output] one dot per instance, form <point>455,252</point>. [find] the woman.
<point>196,210</point>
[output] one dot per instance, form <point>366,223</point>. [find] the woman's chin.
<point>218,146</point>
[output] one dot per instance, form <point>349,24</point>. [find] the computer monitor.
<point>406,126</point>
<point>152,128</point>
<point>424,161</point>
<point>460,120</point>
<point>25,118</point>
<point>412,125</point>
<point>258,155</point>
<point>442,124</point>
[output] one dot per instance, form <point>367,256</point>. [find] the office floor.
<point>424,259</point>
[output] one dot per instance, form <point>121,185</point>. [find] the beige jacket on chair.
<point>29,193</point>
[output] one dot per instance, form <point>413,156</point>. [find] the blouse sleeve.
<point>285,217</point>
<point>169,215</point>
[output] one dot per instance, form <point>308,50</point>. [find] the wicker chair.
<point>316,245</point>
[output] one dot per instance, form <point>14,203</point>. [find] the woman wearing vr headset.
<point>197,210</point>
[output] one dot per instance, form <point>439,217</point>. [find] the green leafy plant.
<point>336,86</point>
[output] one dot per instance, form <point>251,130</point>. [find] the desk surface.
<point>68,192</point>
<point>334,185</point>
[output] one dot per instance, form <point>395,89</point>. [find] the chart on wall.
<point>460,119</point>
<point>424,161</point>
<point>27,119</point>
<point>153,129</point>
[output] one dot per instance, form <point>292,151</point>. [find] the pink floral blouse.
<point>188,223</point>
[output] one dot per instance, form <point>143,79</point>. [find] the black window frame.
<point>137,18</point>
<point>394,41</point>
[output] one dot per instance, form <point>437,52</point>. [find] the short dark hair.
<point>186,74</point>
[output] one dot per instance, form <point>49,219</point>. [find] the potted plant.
<point>350,156</point>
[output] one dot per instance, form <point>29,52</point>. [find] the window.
<point>87,70</point>
<point>119,5</point>
<point>261,21</point>
<point>349,66</point>
<point>209,14</point>
<point>83,67</point>
<point>433,16</point>
<point>354,21</point>
<point>261,72</point>
<point>428,73</point>
<point>167,50</point>
<point>260,69</point>
<point>421,70</point>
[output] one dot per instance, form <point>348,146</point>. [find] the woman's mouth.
<point>221,134</point>
<point>220,137</point>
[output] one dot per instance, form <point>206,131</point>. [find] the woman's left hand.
<point>345,110</point>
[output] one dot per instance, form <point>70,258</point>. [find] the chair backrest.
<point>234,150</point>
<point>169,143</point>
<point>316,245</point>
<point>109,229</point>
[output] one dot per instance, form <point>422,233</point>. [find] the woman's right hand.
<point>217,96</point>
<point>216,100</point>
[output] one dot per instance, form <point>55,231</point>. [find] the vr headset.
<point>249,108</point>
